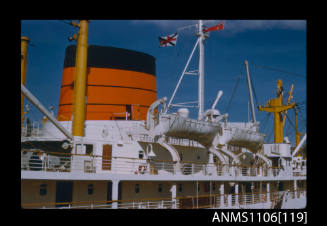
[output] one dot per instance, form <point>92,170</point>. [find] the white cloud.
<point>233,26</point>
<point>166,24</point>
<point>243,25</point>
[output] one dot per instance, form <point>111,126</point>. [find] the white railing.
<point>265,200</point>
<point>295,194</point>
<point>34,130</point>
<point>162,204</point>
<point>59,162</point>
<point>171,140</point>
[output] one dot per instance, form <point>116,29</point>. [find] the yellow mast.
<point>297,134</point>
<point>80,78</point>
<point>288,102</point>
<point>276,106</point>
<point>23,52</point>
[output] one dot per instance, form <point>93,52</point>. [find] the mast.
<point>201,70</point>
<point>288,101</point>
<point>297,134</point>
<point>250,90</point>
<point>276,106</point>
<point>80,79</point>
<point>24,44</point>
<point>199,43</point>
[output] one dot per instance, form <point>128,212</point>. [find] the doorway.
<point>106,157</point>
<point>64,193</point>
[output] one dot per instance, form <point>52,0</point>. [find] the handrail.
<point>241,196</point>
<point>65,162</point>
<point>155,160</point>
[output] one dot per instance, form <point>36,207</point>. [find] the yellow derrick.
<point>24,44</point>
<point>80,78</point>
<point>276,106</point>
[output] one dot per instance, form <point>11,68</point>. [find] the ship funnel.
<point>220,93</point>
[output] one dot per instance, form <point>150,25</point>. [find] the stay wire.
<point>302,118</point>
<point>233,93</point>
<point>282,71</point>
<point>291,123</point>
<point>269,136</point>
<point>265,121</point>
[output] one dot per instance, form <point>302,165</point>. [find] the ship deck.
<point>86,167</point>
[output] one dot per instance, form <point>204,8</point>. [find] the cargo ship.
<point>115,145</point>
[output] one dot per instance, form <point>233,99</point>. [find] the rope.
<point>282,71</point>
<point>291,123</point>
<point>269,137</point>
<point>266,121</point>
<point>288,130</point>
<point>302,118</point>
<point>233,93</point>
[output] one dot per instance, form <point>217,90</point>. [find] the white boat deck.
<point>85,167</point>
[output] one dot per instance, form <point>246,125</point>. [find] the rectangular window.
<point>89,149</point>
<point>141,154</point>
<point>160,188</point>
<point>80,149</point>
<point>206,186</point>
<point>137,188</point>
<point>43,189</point>
<point>180,188</point>
<point>90,189</point>
<point>129,112</point>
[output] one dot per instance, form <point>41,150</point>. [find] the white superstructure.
<point>166,161</point>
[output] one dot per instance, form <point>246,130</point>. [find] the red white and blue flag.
<point>169,40</point>
<point>214,28</point>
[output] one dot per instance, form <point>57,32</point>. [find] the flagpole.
<point>180,79</point>
<point>202,35</point>
<point>201,71</point>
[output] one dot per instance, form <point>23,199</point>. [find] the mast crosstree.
<point>276,106</point>
<point>202,35</point>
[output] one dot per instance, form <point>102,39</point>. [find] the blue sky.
<point>279,44</point>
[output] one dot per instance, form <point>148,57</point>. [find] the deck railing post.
<point>236,194</point>
<point>229,198</point>
<point>114,195</point>
<point>268,192</point>
<point>221,190</point>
